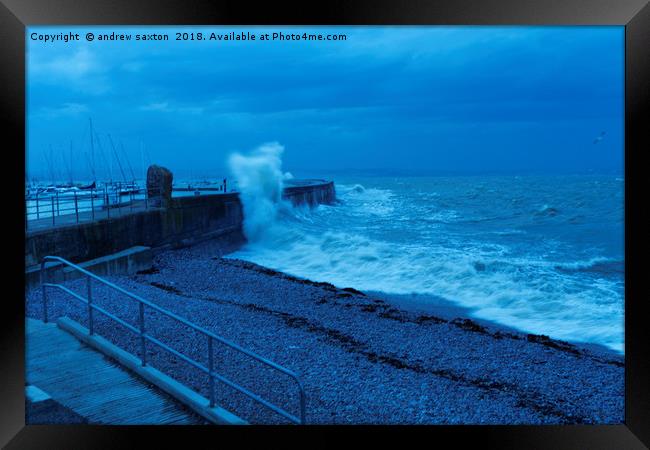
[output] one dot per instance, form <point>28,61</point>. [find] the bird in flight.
<point>599,138</point>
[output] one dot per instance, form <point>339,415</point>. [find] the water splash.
<point>260,180</point>
<point>495,257</point>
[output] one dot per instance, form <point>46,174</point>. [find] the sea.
<point>538,253</point>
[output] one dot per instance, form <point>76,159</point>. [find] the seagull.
<point>599,138</point>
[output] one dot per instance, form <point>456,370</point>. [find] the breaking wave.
<point>394,236</point>
<point>260,180</point>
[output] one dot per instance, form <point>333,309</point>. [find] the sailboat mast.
<point>108,163</point>
<point>65,172</point>
<point>48,159</point>
<point>144,171</point>
<point>128,162</point>
<point>117,158</point>
<point>70,164</point>
<point>92,150</point>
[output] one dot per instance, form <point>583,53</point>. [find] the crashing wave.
<point>260,180</point>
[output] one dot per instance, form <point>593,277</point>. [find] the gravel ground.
<point>361,359</point>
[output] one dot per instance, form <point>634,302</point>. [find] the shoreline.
<point>443,311</point>
<point>440,308</point>
<point>449,310</point>
<point>361,358</point>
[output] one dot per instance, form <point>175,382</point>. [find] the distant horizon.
<point>366,172</point>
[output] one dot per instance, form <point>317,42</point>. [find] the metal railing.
<point>89,204</point>
<point>86,204</point>
<point>144,337</point>
<point>198,187</point>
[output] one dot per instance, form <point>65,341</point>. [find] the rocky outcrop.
<point>159,185</point>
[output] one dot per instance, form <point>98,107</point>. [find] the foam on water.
<point>259,179</point>
<point>521,263</point>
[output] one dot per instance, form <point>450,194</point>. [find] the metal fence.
<point>144,337</point>
<point>85,205</point>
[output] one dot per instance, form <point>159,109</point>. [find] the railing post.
<point>91,323</point>
<point>52,198</point>
<point>44,284</point>
<point>43,281</point>
<point>211,367</point>
<point>143,354</point>
<point>76,206</point>
<point>92,204</point>
<point>57,204</point>
<point>37,212</point>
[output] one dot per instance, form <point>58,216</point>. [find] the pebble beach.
<point>362,359</point>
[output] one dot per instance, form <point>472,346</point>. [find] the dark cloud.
<point>449,98</point>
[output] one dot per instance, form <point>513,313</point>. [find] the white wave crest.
<point>260,179</point>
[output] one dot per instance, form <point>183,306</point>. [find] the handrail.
<point>80,202</point>
<point>70,203</point>
<point>144,337</point>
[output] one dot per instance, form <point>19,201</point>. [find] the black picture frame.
<point>15,15</point>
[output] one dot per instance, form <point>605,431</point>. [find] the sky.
<point>405,99</point>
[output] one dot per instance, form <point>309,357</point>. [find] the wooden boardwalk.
<point>92,385</point>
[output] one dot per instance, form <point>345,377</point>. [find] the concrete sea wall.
<point>184,221</point>
<point>310,192</point>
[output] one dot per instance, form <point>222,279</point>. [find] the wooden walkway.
<point>92,385</point>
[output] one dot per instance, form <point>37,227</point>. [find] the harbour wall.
<point>185,221</point>
<point>310,192</point>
